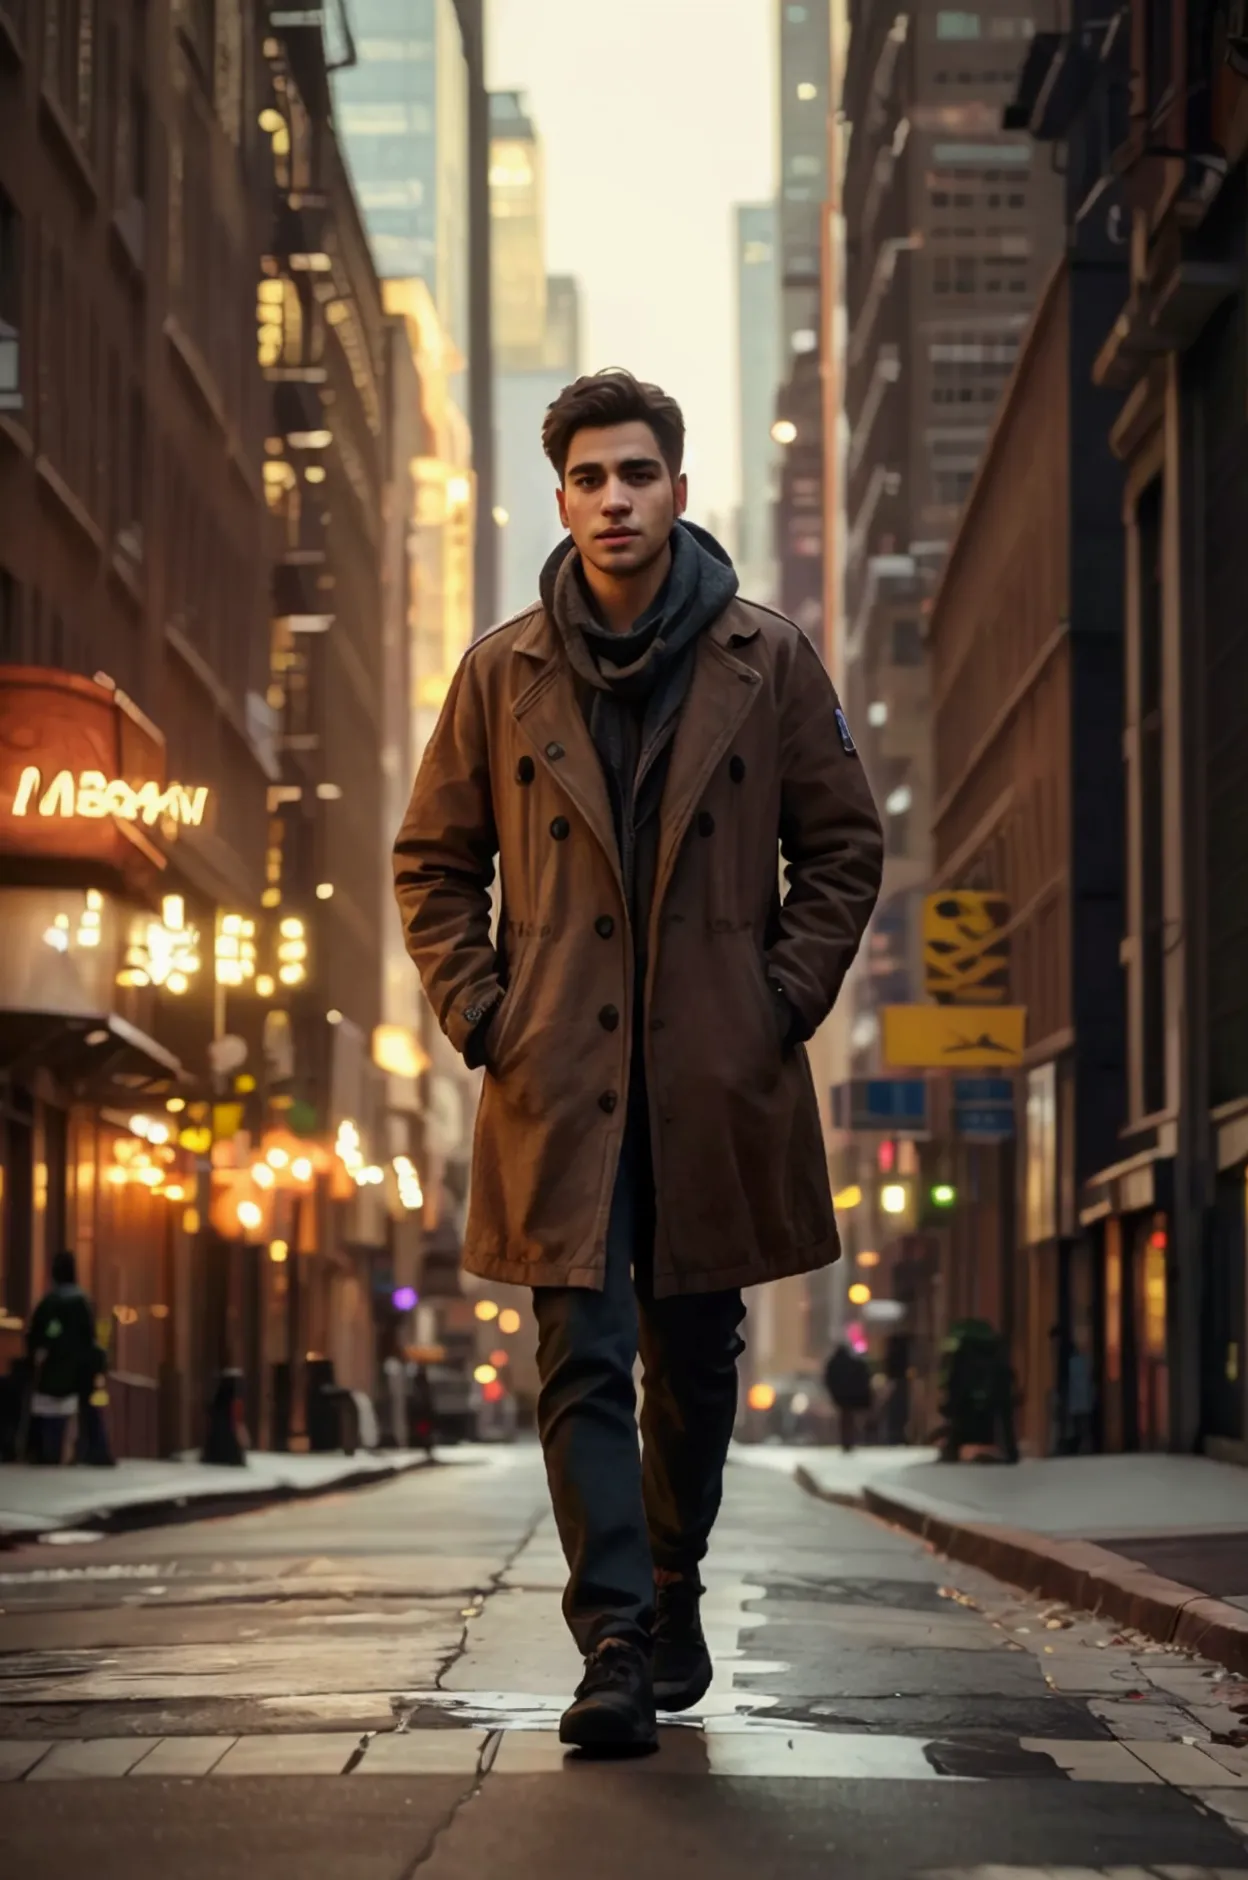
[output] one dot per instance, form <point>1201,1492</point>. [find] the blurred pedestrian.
<point>847,1377</point>
<point>60,1342</point>
<point>421,1411</point>
<point>978,1392</point>
<point>629,753</point>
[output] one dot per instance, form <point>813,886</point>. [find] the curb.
<point>1082,1575</point>
<point>173,1510</point>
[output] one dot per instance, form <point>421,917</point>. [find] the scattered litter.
<point>70,1537</point>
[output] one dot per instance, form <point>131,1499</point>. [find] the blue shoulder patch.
<point>842,725</point>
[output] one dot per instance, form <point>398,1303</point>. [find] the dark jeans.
<point>622,1512</point>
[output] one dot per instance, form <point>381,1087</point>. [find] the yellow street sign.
<point>966,950</point>
<point>936,1037</point>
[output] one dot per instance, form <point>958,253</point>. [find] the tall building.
<point>402,113</point>
<point>805,73</point>
<point>952,226</point>
<point>136,744</point>
<point>517,233</point>
<point>536,349</point>
<point>758,376</point>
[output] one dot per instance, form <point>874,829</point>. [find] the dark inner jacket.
<point>631,687</point>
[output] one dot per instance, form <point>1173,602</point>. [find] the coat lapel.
<point>550,715</point>
<point>721,693</point>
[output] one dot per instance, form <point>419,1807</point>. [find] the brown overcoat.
<point>761,761</point>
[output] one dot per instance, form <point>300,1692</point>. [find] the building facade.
<point>1165,1214</point>
<point>804,69</point>
<point>537,325</point>
<point>950,227</point>
<point>401,109</point>
<point>758,378</point>
<point>1026,664</point>
<point>138,743</point>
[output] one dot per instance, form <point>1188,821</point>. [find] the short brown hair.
<point>613,396</point>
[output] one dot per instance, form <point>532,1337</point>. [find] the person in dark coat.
<point>631,755</point>
<point>848,1381</point>
<point>61,1345</point>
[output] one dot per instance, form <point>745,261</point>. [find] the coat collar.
<point>721,692</point>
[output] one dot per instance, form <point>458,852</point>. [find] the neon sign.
<point>92,795</point>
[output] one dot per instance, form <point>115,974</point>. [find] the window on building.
<point>10,306</point>
<point>907,647</point>
<point>1041,1154</point>
<point>796,16</point>
<point>1006,28</point>
<point>1151,789</point>
<point>957,26</point>
<point>950,488</point>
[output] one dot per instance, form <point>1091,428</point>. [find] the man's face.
<point>619,499</point>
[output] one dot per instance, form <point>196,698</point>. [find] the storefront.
<point>117,968</point>
<point>1127,1221</point>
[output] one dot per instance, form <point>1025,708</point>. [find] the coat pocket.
<point>501,1039</point>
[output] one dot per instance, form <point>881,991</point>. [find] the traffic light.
<point>940,1199</point>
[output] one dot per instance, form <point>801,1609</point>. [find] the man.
<point>60,1343</point>
<point>634,750</point>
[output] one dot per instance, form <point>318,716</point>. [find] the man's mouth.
<point>618,535</point>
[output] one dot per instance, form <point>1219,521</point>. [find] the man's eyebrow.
<point>629,463</point>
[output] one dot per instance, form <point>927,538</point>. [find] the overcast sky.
<point>656,117</point>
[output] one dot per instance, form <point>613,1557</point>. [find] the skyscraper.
<point>402,114</point>
<point>758,376</point>
<point>536,348</point>
<point>805,71</point>
<point>951,228</point>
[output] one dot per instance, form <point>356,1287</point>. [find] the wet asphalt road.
<point>366,1687</point>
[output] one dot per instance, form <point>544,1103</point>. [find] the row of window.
<point>951,25</point>
<point>977,79</point>
<point>968,275</point>
<point>33,633</point>
<point>89,407</point>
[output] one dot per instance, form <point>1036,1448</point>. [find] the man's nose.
<point>616,498</point>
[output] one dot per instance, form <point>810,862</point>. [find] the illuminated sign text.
<point>92,794</point>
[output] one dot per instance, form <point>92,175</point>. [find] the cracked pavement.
<point>367,1686</point>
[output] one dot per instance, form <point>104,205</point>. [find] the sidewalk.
<point>48,1502</point>
<point>1158,1543</point>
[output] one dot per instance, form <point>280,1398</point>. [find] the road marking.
<point>742,1752</point>
<point>184,1756</point>
<point>97,1756</point>
<point>17,1758</point>
<point>307,1754</point>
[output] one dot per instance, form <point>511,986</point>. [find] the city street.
<point>367,1686</point>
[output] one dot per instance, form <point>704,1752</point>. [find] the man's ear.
<point>562,502</point>
<point>682,493</point>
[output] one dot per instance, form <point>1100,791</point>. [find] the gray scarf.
<point>638,680</point>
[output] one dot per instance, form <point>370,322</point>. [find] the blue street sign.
<point>898,1104</point>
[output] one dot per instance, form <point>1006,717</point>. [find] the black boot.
<point>614,1706</point>
<point>682,1664</point>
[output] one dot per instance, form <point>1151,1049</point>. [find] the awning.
<point>97,1057</point>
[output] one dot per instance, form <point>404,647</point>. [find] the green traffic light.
<point>944,1194</point>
